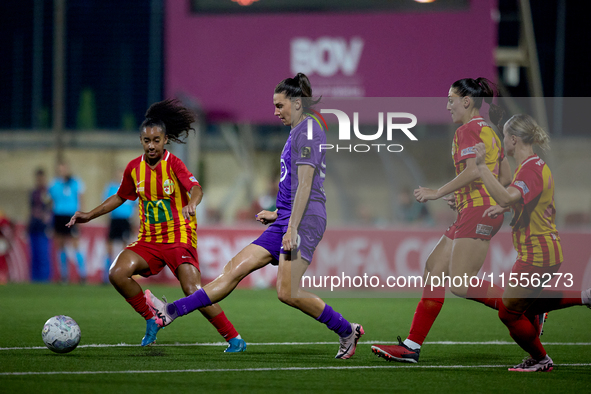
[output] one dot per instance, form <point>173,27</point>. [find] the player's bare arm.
<point>505,175</point>
<point>504,197</point>
<point>470,174</point>
<point>196,197</point>
<point>111,203</point>
<point>266,217</point>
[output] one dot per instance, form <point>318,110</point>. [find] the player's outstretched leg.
<point>348,344</point>
<point>159,309</point>
<point>156,305</point>
<point>399,352</point>
<point>163,318</point>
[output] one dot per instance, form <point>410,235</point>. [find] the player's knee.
<point>118,274</point>
<point>114,275</point>
<point>284,296</point>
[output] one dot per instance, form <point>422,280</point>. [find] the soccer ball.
<point>61,334</point>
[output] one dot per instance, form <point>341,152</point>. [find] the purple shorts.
<point>310,233</point>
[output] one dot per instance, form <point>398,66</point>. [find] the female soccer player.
<point>168,195</point>
<point>297,226</point>
<point>535,238</point>
<point>463,247</point>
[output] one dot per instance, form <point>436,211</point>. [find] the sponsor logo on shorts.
<point>522,185</point>
<point>484,229</point>
<point>186,257</point>
<point>468,151</point>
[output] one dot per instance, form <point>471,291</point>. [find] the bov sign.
<point>325,56</point>
<point>345,131</point>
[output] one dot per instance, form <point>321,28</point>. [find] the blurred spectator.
<point>263,202</point>
<point>120,221</point>
<point>6,230</point>
<point>412,211</point>
<point>267,201</point>
<point>40,218</point>
<point>66,195</point>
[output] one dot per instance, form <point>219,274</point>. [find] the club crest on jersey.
<point>522,185</point>
<point>168,186</point>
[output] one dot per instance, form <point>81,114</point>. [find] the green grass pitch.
<point>286,350</point>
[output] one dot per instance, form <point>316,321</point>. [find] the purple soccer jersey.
<point>299,150</point>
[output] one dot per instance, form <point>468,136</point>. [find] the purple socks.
<point>181,307</point>
<point>335,321</point>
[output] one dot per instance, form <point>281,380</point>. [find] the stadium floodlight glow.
<point>424,1</point>
<point>244,2</point>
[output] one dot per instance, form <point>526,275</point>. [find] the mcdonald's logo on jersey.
<point>158,211</point>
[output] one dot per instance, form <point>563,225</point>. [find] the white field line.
<point>298,344</point>
<point>271,369</point>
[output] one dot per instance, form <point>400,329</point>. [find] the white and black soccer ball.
<point>61,334</point>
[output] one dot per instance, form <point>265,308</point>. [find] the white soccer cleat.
<point>349,344</point>
<point>530,364</point>
<point>159,308</point>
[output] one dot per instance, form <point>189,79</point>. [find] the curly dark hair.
<point>172,117</point>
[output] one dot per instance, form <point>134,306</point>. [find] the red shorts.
<point>160,255</point>
<point>471,224</point>
<point>521,266</point>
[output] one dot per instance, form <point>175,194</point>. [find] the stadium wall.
<point>353,252</point>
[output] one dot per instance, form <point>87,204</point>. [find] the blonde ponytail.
<point>526,128</point>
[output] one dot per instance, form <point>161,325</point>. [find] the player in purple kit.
<point>296,227</point>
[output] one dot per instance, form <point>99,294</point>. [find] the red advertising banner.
<point>351,252</point>
<point>231,63</point>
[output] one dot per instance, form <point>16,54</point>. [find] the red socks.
<point>427,311</point>
<point>551,300</point>
<point>138,303</point>
<point>522,331</point>
<point>224,326</point>
<point>488,294</point>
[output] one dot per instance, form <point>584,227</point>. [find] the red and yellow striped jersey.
<point>476,130</point>
<point>534,233</point>
<point>163,192</point>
